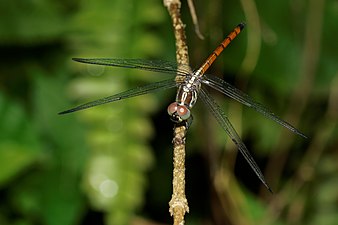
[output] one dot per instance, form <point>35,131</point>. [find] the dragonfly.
<point>190,84</point>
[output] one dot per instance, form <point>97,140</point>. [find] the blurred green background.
<point>112,164</point>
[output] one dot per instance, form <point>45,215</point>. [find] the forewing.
<point>161,85</point>
<point>223,120</point>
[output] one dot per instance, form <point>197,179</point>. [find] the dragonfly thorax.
<point>185,99</point>
<point>188,90</point>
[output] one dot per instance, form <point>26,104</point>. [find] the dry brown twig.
<point>174,7</point>
<point>194,19</point>
<point>178,204</point>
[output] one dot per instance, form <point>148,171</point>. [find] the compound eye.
<point>172,108</point>
<point>183,112</point>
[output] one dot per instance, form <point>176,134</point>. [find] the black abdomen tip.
<point>241,26</point>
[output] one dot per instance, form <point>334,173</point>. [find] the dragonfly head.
<point>178,113</point>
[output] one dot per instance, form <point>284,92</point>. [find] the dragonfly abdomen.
<point>207,63</point>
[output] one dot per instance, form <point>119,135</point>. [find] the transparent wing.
<point>229,129</point>
<point>161,85</point>
<point>234,93</point>
<point>142,64</point>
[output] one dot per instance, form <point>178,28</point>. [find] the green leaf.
<point>19,146</point>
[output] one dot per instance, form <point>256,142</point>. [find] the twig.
<point>174,7</point>
<point>178,204</point>
<point>194,19</point>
